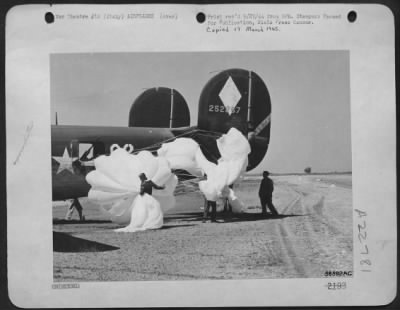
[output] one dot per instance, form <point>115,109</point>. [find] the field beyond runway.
<point>312,235</point>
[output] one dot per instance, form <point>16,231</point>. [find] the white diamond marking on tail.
<point>230,95</point>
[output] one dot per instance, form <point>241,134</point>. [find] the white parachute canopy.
<point>185,153</point>
<point>115,182</point>
<point>234,149</point>
<point>181,154</point>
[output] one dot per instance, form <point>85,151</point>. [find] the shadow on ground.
<point>176,226</point>
<point>257,217</point>
<point>63,242</point>
<point>227,218</point>
<point>62,221</point>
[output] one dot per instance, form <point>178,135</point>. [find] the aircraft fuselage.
<point>69,142</point>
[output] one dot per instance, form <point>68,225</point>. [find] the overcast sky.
<point>309,90</point>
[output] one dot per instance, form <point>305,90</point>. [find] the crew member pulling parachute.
<point>236,103</point>
<point>116,182</point>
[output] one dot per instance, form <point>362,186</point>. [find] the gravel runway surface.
<point>312,235</point>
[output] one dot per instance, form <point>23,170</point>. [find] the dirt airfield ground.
<point>312,235</point>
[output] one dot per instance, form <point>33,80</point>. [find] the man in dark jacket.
<point>146,186</point>
<point>265,194</point>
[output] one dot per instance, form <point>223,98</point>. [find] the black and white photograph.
<point>255,173</point>
<point>174,155</point>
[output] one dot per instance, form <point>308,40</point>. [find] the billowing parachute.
<point>116,184</point>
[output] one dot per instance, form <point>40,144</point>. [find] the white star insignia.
<point>65,162</point>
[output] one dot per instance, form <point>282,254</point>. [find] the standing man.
<point>265,194</point>
<point>75,204</point>
<point>207,205</point>
<point>213,205</point>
